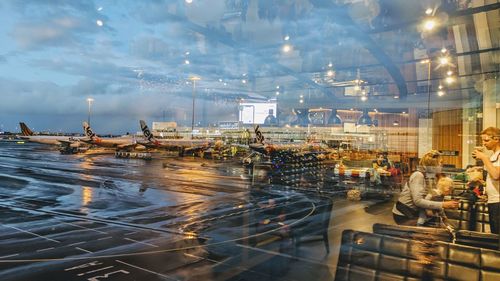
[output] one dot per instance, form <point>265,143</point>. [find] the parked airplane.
<point>118,143</point>
<point>28,135</point>
<point>180,145</point>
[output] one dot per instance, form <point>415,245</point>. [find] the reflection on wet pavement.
<point>77,217</point>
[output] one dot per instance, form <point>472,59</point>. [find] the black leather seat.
<point>367,256</point>
<point>461,218</point>
<point>482,218</point>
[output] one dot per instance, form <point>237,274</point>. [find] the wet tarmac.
<point>96,217</point>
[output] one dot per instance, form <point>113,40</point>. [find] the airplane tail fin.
<point>147,133</point>
<point>259,137</point>
<point>25,130</point>
<point>88,131</point>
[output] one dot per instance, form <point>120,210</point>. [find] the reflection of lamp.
<point>334,118</point>
<point>194,79</point>
<point>89,100</point>
<point>365,119</point>
<point>395,123</point>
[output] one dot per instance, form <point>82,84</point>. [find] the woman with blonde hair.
<point>412,198</point>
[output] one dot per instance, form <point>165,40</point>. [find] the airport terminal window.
<point>249,140</point>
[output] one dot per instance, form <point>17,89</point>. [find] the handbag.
<point>406,211</point>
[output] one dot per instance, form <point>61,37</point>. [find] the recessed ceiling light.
<point>429,24</point>
<point>99,22</point>
<point>428,11</point>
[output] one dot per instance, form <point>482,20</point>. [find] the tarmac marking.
<point>96,270</point>
<point>46,249</point>
<point>85,265</point>
<point>147,270</point>
<point>140,242</point>
<point>83,227</point>
<point>77,243</point>
<point>87,251</point>
<point>29,232</point>
<point>130,233</point>
<point>9,256</point>
<point>104,238</point>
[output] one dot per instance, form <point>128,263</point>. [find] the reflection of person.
<point>444,187</point>
<point>491,140</point>
<point>380,163</point>
<point>412,197</point>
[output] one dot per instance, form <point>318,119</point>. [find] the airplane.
<point>27,134</point>
<point>180,145</point>
<point>267,148</point>
<point>118,143</point>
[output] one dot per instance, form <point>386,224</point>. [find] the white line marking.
<point>104,238</point>
<point>46,249</point>
<point>18,229</point>
<point>92,271</point>
<point>147,270</point>
<point>77,243</point>
<point>83,227</point>
<point>9,256</point>
<point>87,251</point>
<point>140,242</point>
<point>130,233</point>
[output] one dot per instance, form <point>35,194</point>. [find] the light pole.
<point>89,101</point>
<point>194,79</point>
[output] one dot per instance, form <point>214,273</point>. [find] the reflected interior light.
<point>450,80</point>
<point>440,93</point>
<point>440,87</point>
<point>277,87</point>
<point>287,48</point>
<point>364,98</point>
<point>395,123</point>
<point>330,64</point>
<point>301,101</point>
<point>189,1</point>
<point>87,193</point>
<point>443,61</point>
<point>429,24</point>
<point>99,9</point>
<point>449,72</point>
<point>286,38</point>
<point>225,84</point>
<point>443,50</point>
<point>329,73</point>
<point>425,61</point>
<point>277,93</point>
<point>99,22</point>
<point>396,97</point>
<point>186,62</point>
<point>428,11</point>
<point>243,81</point>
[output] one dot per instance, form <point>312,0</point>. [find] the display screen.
<point>255,113</point>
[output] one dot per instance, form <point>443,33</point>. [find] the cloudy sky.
<point>129,56</point>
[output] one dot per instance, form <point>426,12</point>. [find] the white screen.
<point>255,113</point>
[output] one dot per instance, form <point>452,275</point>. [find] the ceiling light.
<point>330,73</point>
<point>99,22</point>
<point>440,87</point>
<point>187,53</point>
<point>428,11</point>
<point>375,110</point>
<point>186,62</point>
<point>220,80</point>
<point>189,1</point>
<point>277,93</point>
<point>330,64</point>
<point>440,93</point>
<point>449,80</point>
<point>99,9</point>
<point>395,123</point>
<point>301,96</point>
<point>286,38</point>
<point>425,61</point>
<point>243,81</point>
<point>396,97</point>
<point>287,48</point>
<point>301,101</point>
<point>429,24</point>
<point>352,109</point>
<point>443,50</point>
<point>449,72</point>
<point>277,87</point>
<point>404,112</point>
<point>364,98</point>
<point>225,84</point>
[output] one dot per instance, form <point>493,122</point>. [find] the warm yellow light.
<point>443,61</point>
<point>440,93</point>
<point>449,72</point>
<point>329,73</point>
<point>443,50</point>
<point>440,87</point>
<point>429,24</point>
<point>287,48</point>
<point>449,80</point>
<point>428,11</point>
<point>425,61</point>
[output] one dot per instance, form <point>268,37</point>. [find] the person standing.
<point>412,198</point>
<point>491,140</point>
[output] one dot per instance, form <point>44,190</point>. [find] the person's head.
<point>445,185</point>
<point>380,157</point>
<point>431,159</point>
<point>490,138</point>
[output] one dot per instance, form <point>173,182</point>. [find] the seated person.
<point>380,163</point>
<point>427,217</point>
